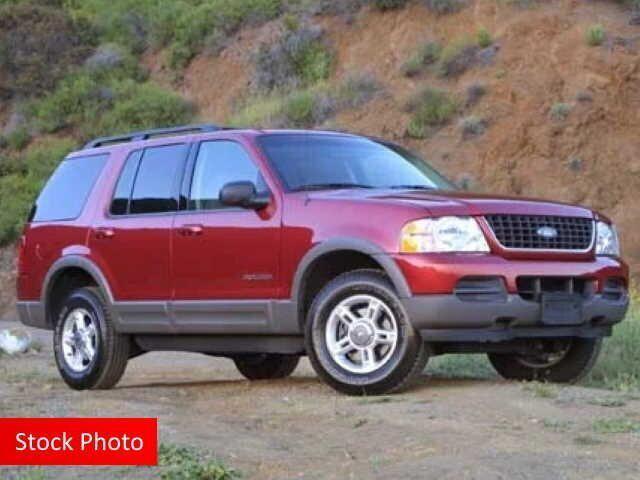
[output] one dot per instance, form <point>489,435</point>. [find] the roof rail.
<point>147,134</point>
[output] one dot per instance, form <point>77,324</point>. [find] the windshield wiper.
<point>329,186</point>
<point>412,187</point>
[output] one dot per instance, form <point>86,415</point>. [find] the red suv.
<point>263,246</point>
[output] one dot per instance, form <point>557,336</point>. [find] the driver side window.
<point>218,163</point>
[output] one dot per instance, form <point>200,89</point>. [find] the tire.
<point>266,366</point>
<point>384,367</point>
<point>111,350</point>
<point>577,360</point>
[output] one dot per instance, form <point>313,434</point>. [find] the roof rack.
<point>147,134</point>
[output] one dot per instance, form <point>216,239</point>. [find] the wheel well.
<point>62,285</point>
<point>326,268</point>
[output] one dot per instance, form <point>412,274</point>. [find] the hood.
<point>440,202</point>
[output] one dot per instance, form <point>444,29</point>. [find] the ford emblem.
<point>547,232</point>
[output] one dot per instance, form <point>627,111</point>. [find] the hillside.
<point>534,98</point>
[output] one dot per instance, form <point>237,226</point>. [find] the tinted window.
<point>66,192</point>
<point>122,194</point>
<point>154,186</point>
<point>219,163</point>
<point>323,161</point>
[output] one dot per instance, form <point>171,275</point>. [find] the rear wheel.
<point>89,353</point>
<point>266,365</point>
<point>359,339</point>
<point>559,361</point>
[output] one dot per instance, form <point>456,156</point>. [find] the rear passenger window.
<point>66,192</point>
<point>218,163</point>
<point>122,194</point>
<point>154,187</point>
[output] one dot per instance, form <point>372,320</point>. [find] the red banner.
<point>79,441</point>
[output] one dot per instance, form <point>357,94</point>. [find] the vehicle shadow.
<point>294,381</point>
<point>424,382</point>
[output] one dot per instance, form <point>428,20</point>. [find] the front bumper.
<point>446,318</point>
<point>438,310</point>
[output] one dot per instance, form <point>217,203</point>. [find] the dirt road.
<point>299,428</point>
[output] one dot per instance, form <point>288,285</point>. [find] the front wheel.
<point>558,361</point>
<point>90,354</point>
<point>359,339</point>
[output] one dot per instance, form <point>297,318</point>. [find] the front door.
<point>223,253</point>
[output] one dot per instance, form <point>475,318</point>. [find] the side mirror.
<point>242,194</point>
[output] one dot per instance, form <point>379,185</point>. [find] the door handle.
<point>104,233</point>
<point>190,230</point>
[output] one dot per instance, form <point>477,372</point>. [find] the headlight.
<point>445,234</point>
<point>607,240</point>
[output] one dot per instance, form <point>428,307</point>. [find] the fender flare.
<point>359,245</point>
<point>74,261</point>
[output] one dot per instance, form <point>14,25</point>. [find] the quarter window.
<point>218,163</point>
<point>66,192</point>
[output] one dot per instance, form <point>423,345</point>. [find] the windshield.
<point>311,161</point>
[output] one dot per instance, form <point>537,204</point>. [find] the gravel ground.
<point>298,428</point>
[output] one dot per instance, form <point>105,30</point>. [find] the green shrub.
<point>389,4</point>
<point>484,38</point>
<point>427,54</point>
<point>111,60</point>
<point>78,100</point>
<point>141,106</point>
<point>474,93</point>
<point>215,19</point>
<point>133,24</point>
<point>307,107</point>
<point>185,463</point>
<point>595,35</point>
<point>457,57</point>
<point>461,366</point>
<point>185,26</point>
<point>103,106</point>
<point>298,109</point>
<point>472,126</point>
<point>313,63</point>
<point>559,111</point>
<point>355,90</point>
<point>618,367</point>
<point>298,58</point>
<point>38,46</point>
<point>616,425</point>
<point>257,111</point>
<point>125,22</point>
<point>18,139</point>
<point>430,110</point>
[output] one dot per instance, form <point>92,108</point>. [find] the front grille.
<point>532,288</point>
<point>528,232</point>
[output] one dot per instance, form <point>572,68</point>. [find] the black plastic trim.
<point>451,316</point>
<point>503,335</point>
<point>223,345</point>
<point>221,317</point>
<point>147,134</point>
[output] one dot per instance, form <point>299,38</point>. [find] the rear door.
<point>220,252</point>
<point>132,237</point>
